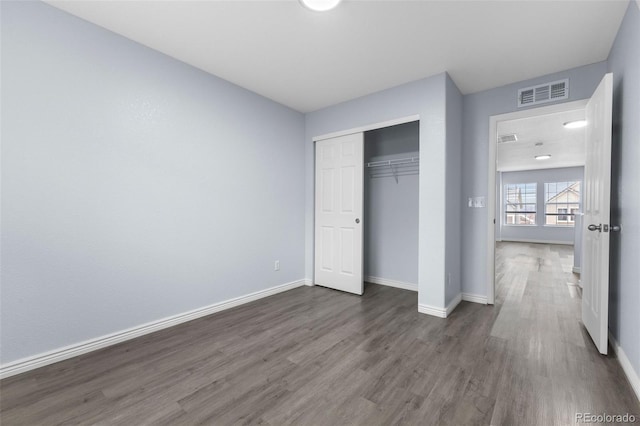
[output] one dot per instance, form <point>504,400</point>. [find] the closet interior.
<point>391,179</point>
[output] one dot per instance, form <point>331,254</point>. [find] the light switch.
<point>477,202</point>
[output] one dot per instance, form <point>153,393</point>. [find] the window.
<point>520,204</point>
<point>562,202</point>
<point>562,214</point>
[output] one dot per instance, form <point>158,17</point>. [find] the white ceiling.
<point>308,60</point>
<point>566,146</point>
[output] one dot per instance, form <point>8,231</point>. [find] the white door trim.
<point>491,188</point>
<point>367,127</point>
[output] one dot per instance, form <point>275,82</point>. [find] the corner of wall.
<point>453,189</point>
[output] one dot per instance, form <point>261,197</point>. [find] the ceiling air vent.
<point>507,138</point>
<point>542,93</point>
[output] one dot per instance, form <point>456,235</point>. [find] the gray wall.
<point>624,62</point>
<point>391,208</point>
<point>134,187</point>
<point>453,191</point>
<point>477,108</point>
<point>539,232</point>
<point>426,98</point>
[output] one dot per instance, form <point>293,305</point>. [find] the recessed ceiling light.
<point>543,157</point>
<point>575,124</point>
<point>320,5</point>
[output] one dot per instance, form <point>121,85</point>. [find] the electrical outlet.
<point>276,265</point>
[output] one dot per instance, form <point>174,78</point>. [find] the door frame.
<point>360,129</point>
<point>367,127</point>
<point>491,188</point>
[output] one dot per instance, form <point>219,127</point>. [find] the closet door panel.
<point>347,191</point>
<point>326,244</point>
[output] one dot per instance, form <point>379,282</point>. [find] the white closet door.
<point>338,219</point>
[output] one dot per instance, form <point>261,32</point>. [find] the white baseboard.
<point>50,357</point>
<point>440,312</point>
<point>632,375</point>
<point>392,283</point>
<point>455,302</point>
<point>527,240</point>
<point>475,298</point>
<point>576,269</point>
<point>308,282</point>
<point>432,310</point>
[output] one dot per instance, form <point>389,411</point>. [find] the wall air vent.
<point>507,138</point>
<point>543,93</point>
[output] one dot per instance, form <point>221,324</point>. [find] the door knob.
<point>593,227</point>
<point>615,228</point>
<point>357,220</point>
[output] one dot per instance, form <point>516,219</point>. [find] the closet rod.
<point>390,174</point>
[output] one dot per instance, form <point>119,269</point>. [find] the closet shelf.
<point>394,168</point>
<point>396,162</point>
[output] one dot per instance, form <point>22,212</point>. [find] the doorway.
<point>539,178</point>
<point>519,157</point>
<point>391,198</point>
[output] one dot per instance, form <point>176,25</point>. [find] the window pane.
<point>562,202</point>
<point>520,203</point>
<point>562,214</point>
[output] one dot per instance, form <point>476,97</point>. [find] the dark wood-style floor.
<point>315,356</point>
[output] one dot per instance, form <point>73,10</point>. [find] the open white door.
<point>338,219</point>
<point>597,197</point>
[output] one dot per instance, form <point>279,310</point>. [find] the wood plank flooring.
<point>314,356</point>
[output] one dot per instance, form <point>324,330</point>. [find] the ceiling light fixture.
<point>320,5</point>
<point>538,148</point>
<point>575,124</point>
